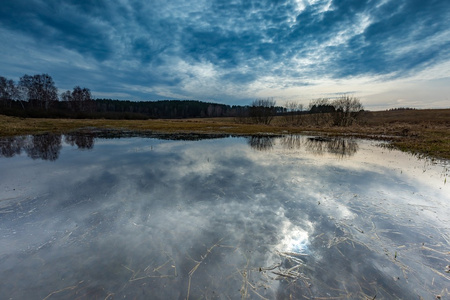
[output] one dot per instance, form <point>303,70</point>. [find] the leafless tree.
<point>66,96</point>
<point>40,90</point>
<point>8,91</point>
<point>293,114</point>
<point>79,100</point>
<point>347,110</point>
<point>262,111</point>
<point>320,110</point>
<point>343,111</point>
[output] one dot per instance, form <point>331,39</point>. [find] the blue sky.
<point>389,53</point>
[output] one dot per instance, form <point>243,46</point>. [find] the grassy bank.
<point>423,132</point>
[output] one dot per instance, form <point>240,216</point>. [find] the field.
<point>422,132</point>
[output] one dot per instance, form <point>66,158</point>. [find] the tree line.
<point>343,111</point>
<point>168,109</point>
<point>37,96</point>
<point>39,93</point>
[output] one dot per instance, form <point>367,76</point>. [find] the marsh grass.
<point>421,132</point>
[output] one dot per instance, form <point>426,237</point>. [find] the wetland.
<point>103,215</point>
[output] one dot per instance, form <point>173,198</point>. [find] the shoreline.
<point>423,139</point>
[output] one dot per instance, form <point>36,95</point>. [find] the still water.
<point>86,216</point>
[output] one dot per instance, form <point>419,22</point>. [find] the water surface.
<point>84,216</point>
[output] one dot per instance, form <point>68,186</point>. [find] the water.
<point>174,217</point>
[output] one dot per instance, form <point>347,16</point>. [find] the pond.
<point>111,216</point>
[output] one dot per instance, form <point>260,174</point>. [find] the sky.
<point>387,53</point>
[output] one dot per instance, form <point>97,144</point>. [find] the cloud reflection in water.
<point>295,239</point>
<point>146,217</point>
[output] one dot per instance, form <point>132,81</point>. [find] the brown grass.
<point>425,132</point>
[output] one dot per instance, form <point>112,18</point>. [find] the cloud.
<point>220,49</point>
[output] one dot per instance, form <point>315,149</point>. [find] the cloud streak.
<point>228,51</point>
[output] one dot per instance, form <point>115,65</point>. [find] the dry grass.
<point>10,126</point>
<point>425,132</point>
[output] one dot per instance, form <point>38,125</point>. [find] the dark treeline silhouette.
<point>401,108</point>
<point>37,96</point>
<point>170,109</point>
<point>262,111</point>
<point>123,109</point>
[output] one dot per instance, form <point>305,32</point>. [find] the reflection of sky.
<point>130,205</point>
<point>295,239</point>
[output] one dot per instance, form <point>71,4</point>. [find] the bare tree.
<point>347,110</point>
<point>40,90</point>
<point>79,100</point>
<point>8,91</point>
<point>320,110</point>
<point>321,105</point>
<point>262,111</point>
<point>293,114</point>
<point>26,87</point>
<point>66,96</point>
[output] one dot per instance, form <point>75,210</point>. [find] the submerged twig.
<point>261,269</point>
<point>64,289</point>
<point>159,275</point>
<point>192,271</point>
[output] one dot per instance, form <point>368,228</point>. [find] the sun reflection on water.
<point>294,239</point>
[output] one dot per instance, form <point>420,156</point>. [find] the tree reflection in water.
<point>216,219</point>
<point>261,143</point>
<point>47,146</point>
<point>341,147</point>
<point>338,146</point>
<point>291,142</point>
<point>43,146</point>
<point>83,141</point>
<point>11,146</point>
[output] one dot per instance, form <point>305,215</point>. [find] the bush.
<point>262,111</point>
<point>347,110</point>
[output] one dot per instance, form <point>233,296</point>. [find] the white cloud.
<point>231,51</point>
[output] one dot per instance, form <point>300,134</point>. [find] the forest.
<point>37,96</point>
